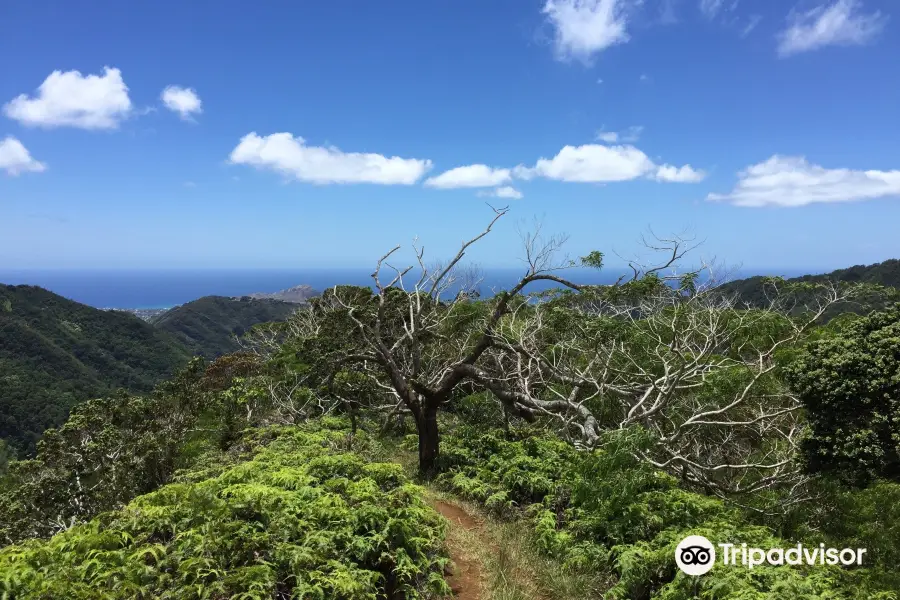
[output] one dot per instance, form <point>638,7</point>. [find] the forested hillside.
<point>55,353</point>
<point>597,426</point>
<point>758,291</point>
<point>208,326</point>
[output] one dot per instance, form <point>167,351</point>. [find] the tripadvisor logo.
<point>696,555</point>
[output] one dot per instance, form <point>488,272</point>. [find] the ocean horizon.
<point>165,288</point>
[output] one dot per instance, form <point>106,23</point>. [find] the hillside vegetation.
<point>603,423</point>
<point>301,515</point>
<point>210,325</point>
<point>55,353</point>
<point>758,291</point>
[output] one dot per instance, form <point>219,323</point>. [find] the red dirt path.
<point>465,580</point>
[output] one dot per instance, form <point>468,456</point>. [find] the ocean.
<point>168,288</point>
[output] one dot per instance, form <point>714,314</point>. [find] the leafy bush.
<point>304,517</point>
<point>850,386</point>
<point>607,511</point>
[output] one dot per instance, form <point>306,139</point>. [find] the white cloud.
<point>503,192</point>
<point>838,24</point>
<point>632,134</point>
<point>15,158</point>
<point>685,174</point>
<point>284,153</point>
<point>183,101</point>
<point>610,137</point>
<point>586,27</point>
<point>469,176</point>
<point>793,181</point>
<point>596,163</point>
<point>71,99</point>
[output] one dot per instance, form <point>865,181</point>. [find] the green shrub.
<point>608,512</point>
<point>299,519</point>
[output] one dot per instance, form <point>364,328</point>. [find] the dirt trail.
<point>467,575</point>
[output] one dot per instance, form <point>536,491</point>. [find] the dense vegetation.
<point>606,512</point>
<point>303,516</point>
<point>210,325</point>
<point>850,384</point>
<point>609,422</point>
<point>880,283</point>
<point>55,353</point>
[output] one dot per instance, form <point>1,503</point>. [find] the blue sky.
<point>294,134</point>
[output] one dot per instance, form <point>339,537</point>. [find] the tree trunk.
<point>429,442</point>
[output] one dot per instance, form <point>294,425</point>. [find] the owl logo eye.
<point>695,555</point>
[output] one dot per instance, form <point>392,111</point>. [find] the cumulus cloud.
<point>183,101</point>
<point>685,174</point>
<point>15,158</point>
<point>74,100</point>
<point>470,176</point>
<point>596,163</point>
<point>505,191</point>
<point>583,28</point>
<point>840,23</point>
<point>793,181</point>
<point>284,153</point>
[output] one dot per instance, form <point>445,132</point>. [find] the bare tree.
<point>419,336</point>
<point>662,349</point>
<point>670,353</point>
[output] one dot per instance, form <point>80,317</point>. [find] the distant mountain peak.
<point>299,294</point>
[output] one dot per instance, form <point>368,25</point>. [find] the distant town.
<point>299,294</point>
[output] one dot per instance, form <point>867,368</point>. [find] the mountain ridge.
<point>298,294</point>
<point>55,353</point>
<point>209,325</point>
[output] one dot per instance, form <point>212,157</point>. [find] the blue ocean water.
<point>167,288</point>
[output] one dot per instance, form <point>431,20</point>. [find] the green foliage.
<point>6,455</point>
<point>109,451</point>
<point>854,518</point>
<point>55,353</point>
<point>303,517</point>
<point>850,385</point>
<point>594,259</point>
<point>877,286</point>
<point>208,326</point>
<point>606,511</point>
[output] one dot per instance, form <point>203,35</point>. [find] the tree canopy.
<point>849,383</point>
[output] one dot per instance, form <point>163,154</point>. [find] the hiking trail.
<point>467,575</point>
